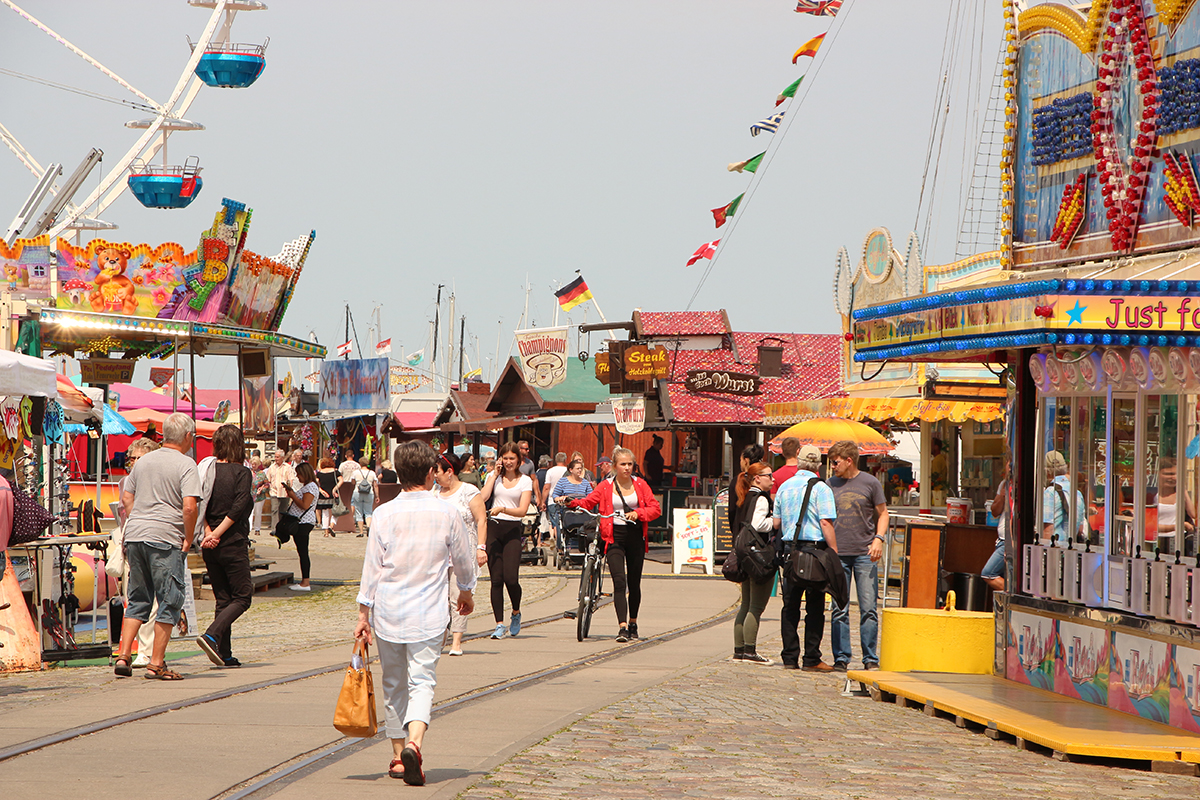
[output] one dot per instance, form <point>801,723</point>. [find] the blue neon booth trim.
<point>165,191</point>
<point>230,70</point>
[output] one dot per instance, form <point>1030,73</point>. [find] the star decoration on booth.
<point>1076,314</point>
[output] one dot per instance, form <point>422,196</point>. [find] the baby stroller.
<point>575,534</point>
<point>531,550</point>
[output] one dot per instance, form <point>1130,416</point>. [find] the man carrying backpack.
<point>806,511</point>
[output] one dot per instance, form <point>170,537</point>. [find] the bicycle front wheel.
<point>593,594</point>
<point>583,616</point>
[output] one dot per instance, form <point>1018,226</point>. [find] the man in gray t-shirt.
<point>160,500</point>
<point>861,527</point>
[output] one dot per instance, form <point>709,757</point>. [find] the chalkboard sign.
<point>722,535</point>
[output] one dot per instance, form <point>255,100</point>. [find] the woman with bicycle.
<point>509,492</point>
<point>469,504</point>
<point>753,509</point>
<point>625,535</point>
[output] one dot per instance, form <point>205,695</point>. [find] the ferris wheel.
<point>215,61</point>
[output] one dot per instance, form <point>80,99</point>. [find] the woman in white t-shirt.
<point>509,493</point>
<point>363,503</point>
<point>469,503</point>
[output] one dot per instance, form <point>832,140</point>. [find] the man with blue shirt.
<point>816,530</point>
<point>1056,507</point>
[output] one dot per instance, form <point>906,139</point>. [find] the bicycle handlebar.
<point>614,515</point>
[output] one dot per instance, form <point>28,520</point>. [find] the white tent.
<point>22,376</point>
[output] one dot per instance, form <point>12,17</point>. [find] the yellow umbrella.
<point>825,431</point>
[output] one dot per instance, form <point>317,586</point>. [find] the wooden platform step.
<point>1035,719</point>
<point>262,582</point>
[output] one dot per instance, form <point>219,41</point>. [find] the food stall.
<point>1096,317</point>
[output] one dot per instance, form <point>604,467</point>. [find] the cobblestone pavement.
<point>735,730</point>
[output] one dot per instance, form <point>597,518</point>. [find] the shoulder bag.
<point>354,714</point>
<point>803,564</point>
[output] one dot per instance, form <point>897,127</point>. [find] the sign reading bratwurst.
<point>723,382</point>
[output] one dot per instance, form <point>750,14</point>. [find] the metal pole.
<point>175,378</point>
<point>462,335</point>
<point>241,393</point>
<point>192,370</point>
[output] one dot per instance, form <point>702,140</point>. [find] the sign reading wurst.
<point>723,382</point>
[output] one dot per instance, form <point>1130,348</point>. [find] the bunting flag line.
<point>819,8</point>
<point>705,250</point>
<point>344,349</point>
<point>769,125</point>
<point>573,294</point>
<point>790,91</point>
<point>383,348</point>
<point>722,214</point>
<point>809,48</point>
<point>416,358</point>
<point>749,165</point>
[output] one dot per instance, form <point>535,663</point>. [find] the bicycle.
<point>591,577</point>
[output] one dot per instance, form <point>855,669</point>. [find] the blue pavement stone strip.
<point>735,730</point>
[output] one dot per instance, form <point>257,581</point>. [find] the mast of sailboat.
<point>437,313</point>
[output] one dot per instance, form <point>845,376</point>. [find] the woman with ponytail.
<point>754,509</point>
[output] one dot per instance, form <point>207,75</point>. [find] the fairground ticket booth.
<point>1097,317</point>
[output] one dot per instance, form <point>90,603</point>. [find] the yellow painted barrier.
<point>937,640</point>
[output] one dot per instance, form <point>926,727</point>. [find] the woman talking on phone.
<point>626,539</point>
<point>509,492</point>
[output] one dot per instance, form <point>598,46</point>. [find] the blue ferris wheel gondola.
<point>166,186</point>
<point>232,66</point>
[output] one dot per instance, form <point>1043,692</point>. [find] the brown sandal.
<point>154,673</point>
<point>122,668</point>
<point>392,769</point>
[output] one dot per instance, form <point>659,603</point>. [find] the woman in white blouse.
<point>508,494</point>
<point>467,501</point>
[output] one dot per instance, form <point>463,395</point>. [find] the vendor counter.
<point>937,556</point>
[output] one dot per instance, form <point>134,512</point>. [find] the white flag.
<point>416,358</point>
<point>344,349</point>
<point>383,348</point>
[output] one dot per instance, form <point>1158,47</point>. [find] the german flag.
<point>573,294</point>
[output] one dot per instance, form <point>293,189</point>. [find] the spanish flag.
<point>573,294</point>
<point>809,48</point>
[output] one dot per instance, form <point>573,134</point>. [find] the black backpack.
<point>754,552</point>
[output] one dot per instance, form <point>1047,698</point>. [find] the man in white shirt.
<point>347,467</point>
<point>402,599</point>
<point>280,474</point>
<point>553,475</point>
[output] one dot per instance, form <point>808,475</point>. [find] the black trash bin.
<point>970,592</point>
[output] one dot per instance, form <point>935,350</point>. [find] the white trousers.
<point>409,677</point>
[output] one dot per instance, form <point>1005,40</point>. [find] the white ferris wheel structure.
<point>215,60</point>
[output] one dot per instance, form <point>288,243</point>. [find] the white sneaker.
<point>140,661</point>
<point>295,587</point>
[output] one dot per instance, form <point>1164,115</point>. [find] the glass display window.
<point>1122,485</point>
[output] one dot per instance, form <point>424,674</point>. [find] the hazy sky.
<point>477,143</point>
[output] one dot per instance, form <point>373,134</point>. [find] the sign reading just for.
<point>1125,313</point>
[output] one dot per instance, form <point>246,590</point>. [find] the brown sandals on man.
<point>122,667</point>
<point>161,673</point>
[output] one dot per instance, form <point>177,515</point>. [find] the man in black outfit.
<point>653,462</point>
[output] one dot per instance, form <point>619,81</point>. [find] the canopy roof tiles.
<point>811,370</point>
<point>681,323</point>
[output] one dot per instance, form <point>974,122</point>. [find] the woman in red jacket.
<point>625,540</point>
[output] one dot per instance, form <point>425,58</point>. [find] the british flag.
<point>819,8</point>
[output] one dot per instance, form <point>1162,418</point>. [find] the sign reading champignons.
<point>722,381</point>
